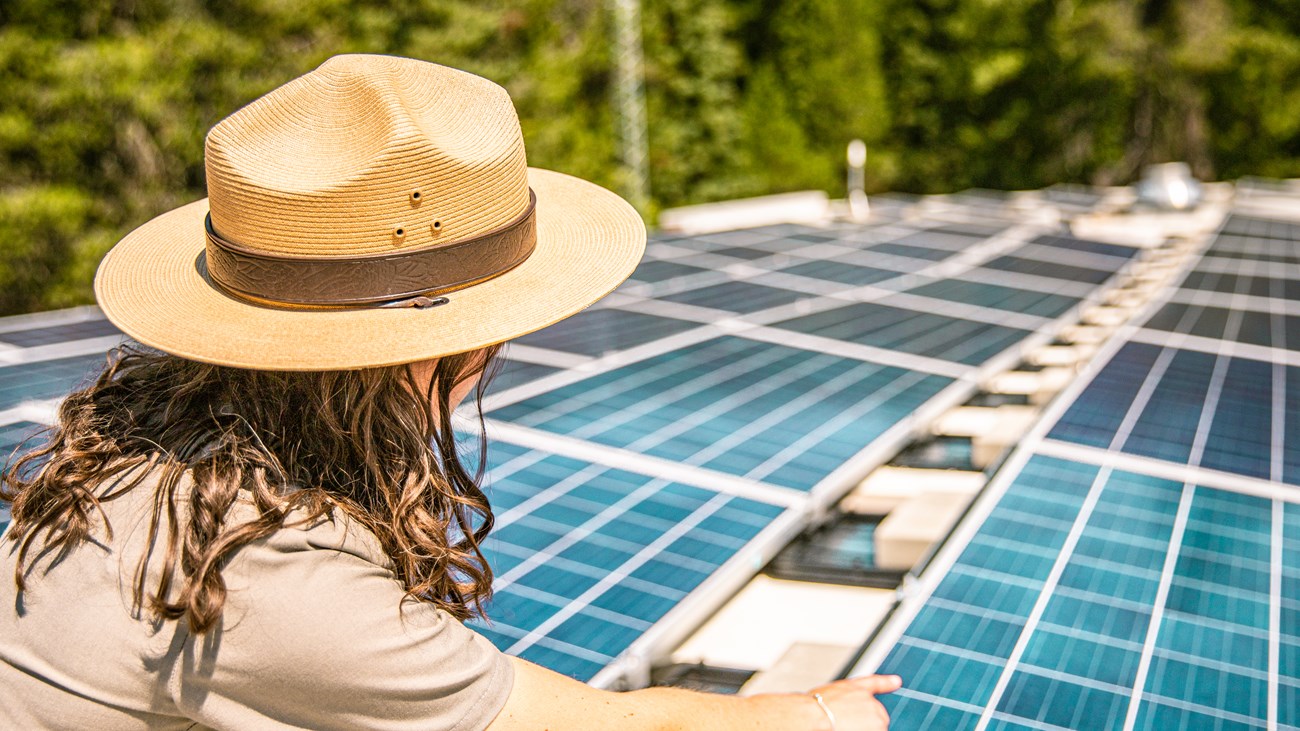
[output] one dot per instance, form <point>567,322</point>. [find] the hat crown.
<point>366,155</point>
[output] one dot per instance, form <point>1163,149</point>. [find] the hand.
<point>854,703</point>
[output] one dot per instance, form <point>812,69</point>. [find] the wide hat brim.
<point>153,286</point>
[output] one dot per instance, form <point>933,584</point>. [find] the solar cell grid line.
<point>1276,537</point>
<point>821,287</point>
<point>54,318</point>
<point>1184,341</point>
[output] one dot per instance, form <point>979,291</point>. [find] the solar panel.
<point>909,331</point>
<point>1037,267</point>
<point>992,295</point>
<point>1135,563</point>
<point>598,331</point>
<point>45,379</point>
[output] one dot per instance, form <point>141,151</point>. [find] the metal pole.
<point>859,208</point>
<point>630,101</point>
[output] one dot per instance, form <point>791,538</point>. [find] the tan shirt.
<point>310,638</point>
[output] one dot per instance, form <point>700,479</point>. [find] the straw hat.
<point>376,211</point>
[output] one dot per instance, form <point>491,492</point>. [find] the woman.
<point>265,523</point>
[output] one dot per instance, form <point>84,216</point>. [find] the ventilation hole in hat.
<point>437,226</point>
<point>399,233</point>
<point>415,197</point>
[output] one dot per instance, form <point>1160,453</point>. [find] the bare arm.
<point>543,699</point>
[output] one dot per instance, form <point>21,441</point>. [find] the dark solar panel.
<point>916,252</point>
<point>1021,265</point>
<point>1261,227</point>
<point>741,297</point>
<point>596,332</point>
<point>517,372</point>
<point>658,271</point>
<point>843,273</point>
<point>741,252</point>
<point>59,333</point>
<point>1258,285</point>
<point>1276,330</point>
<point>998,297</point>
<point>920,333</point>
<point>1092,247</point>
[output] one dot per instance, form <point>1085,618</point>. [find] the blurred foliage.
<point>105,102</point>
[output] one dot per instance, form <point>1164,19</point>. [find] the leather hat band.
<point>372,279</point>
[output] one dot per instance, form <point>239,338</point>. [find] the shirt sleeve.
<point>315,634</point>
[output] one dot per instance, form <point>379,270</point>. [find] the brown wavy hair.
<point>299,445</point>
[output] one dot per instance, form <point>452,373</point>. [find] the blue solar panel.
<point>764,411</point>
<point>1289,621</point>
<point>920,333</point>
<point>1058,609</point>
<point>45,379</point>
<point>588,557</point>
